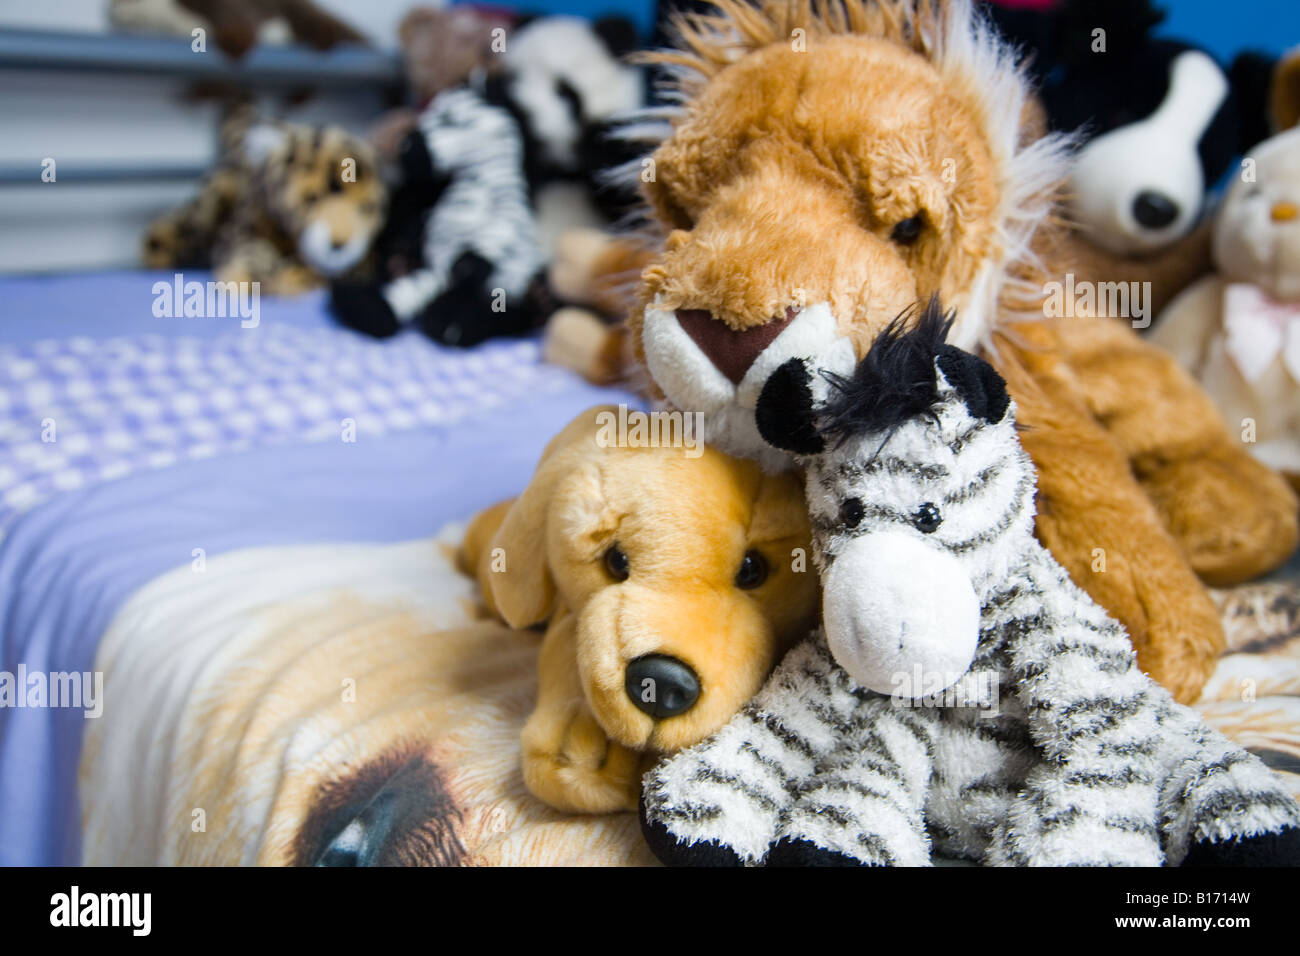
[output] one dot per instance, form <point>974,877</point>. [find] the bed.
<point>226,564</point>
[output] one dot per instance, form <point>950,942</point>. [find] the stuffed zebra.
<point>478,269</point>
<point>962,697</point>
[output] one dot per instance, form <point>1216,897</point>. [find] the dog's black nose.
<point>1154,210</point>
<point>661,686</point>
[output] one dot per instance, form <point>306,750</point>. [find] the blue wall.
<point>1224,27</point>
<point>1227,27</point>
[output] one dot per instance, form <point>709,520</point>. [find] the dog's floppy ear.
<point>982,389</point>
<point>784,414</point>
<point>523,589</point>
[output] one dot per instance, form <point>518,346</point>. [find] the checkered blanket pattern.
<point>77,411</point>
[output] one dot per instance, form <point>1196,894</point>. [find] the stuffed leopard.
<point>287,206</point>
<point>964,697</point>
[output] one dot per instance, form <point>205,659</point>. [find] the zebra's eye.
<point>852,512</point>
<point>753,571</point>
<point>927,518</point>
<point>616,563</point>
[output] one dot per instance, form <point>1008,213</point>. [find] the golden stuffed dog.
<point>671,583</point>
<point>835,162</point>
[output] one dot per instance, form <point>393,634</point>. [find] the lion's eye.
<point>852,512</point>
<point>927,518</point>
<point>616,563</point>
<point>909,230</point>
<point>753,571</point>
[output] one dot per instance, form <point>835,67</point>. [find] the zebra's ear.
<point>980,386</point>
<point>785,410</point>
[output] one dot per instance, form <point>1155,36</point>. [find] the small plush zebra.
<point>963,697</point>
<point>481,264</point>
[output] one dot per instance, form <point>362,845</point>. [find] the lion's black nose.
<point>661,686</point>
<point>1154,210</point>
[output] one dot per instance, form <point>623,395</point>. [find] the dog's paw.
<point>573,268</point>
<point>1197,497</point>
<point>570,764</point>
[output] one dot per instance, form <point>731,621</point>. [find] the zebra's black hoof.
<point>1267,849</point>
<point>789,852</point>
<point>663,843</point>
<point>362,306</point>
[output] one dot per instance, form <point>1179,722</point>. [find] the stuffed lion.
<point>835,162</point>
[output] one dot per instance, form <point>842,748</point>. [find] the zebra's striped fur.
<point>485,208</point>
<point>1087,761</point>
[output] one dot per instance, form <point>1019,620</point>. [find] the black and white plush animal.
<point>963,697</point>
<point>495,172</point>
<point>479,269</point>
<point>1160,120</point>
<point>567,85</point>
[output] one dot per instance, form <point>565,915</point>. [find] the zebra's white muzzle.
<point>898,611</point>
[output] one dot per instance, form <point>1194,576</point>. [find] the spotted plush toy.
<point>287,206</point>
<point>964,697</point>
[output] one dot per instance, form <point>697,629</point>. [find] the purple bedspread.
<point>176,434</point>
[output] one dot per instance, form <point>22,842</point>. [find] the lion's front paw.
<point>1233,516</point>
<point>1179,646</point>
<point>572,765</point>
<point>573,269</point>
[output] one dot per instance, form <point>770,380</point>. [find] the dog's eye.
<point>753,571</point>
<point>927,518</point>
<point>852,512</point>
<point>909,230</point>
<point>616,563</point>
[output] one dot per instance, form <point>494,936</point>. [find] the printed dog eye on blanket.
<point>922,506</point>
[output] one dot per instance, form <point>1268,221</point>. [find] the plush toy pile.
<point>965,697</point>
<point>1142,486</point>
<point>1014,512</point>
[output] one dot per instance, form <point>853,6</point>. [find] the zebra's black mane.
<point>894,382</point>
